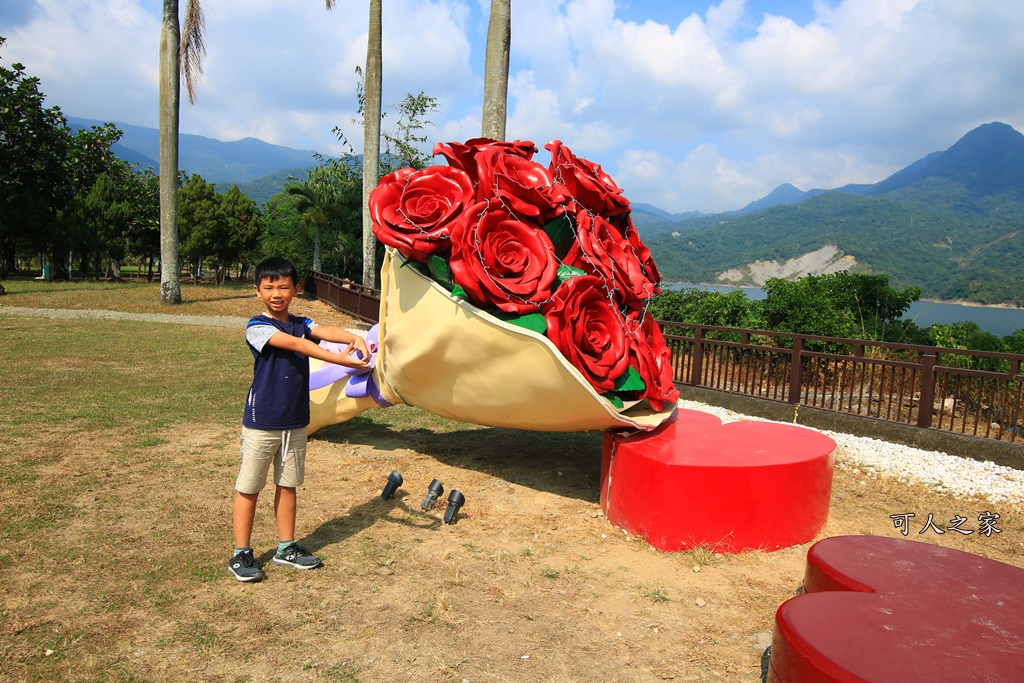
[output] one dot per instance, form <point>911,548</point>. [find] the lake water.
<point>998,321</point>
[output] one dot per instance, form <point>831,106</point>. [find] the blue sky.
<point>689,105</point>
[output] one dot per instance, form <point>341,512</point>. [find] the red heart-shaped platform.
<point>694,481</point>
<point>889,610</point>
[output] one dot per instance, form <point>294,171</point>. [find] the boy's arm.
<point>283,340</point>
<point>340,335</point>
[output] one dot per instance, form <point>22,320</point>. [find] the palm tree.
<point>499,38</point>
<point>314,214</point>
<point>318,206</point>
<point>177,55</point>
<point>371,139</point>
<point>371,136</point>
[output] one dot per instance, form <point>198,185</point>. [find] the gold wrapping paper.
<point>453,359</point>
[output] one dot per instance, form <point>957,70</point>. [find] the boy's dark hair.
<point>276,267</point>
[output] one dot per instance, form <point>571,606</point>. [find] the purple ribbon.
<point>360,383</point>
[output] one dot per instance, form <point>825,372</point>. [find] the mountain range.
<point>223,163</point>
<point>951,223</point>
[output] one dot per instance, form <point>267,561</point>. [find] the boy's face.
<point>277,294</point>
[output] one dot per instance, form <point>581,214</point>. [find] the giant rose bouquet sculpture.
<point>536,282</point>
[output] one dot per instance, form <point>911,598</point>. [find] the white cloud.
<point>82,59</point>
<point>704,178</point>
<point>894,80</point>
<point>726,101</point>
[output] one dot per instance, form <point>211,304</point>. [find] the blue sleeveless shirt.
<point>279,395</point>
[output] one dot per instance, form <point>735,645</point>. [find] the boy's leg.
<point>243,516</point>
<point>289,473</point>
<point>258,449</point>
<point>242,564</point>
<point>285,505</point>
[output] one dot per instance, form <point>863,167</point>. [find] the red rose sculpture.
<point>413,211</point>
<point>588,329</point>
<point>525,187</point>
<point>501,262</point>
<point>599,249</point>
<point>463,156</point>
<point>550,249</point>
<point>652,359</point>
<point>643,255</point>
<point>591,188</point>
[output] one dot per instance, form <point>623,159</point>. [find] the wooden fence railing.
<point>969,392</point>
<point>359,301</point>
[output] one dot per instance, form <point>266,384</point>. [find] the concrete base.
<point>888,609</point>
<point>733,487</point>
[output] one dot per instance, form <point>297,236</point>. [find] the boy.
<point>277,413</point>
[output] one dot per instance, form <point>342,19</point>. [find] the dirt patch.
<point>119,573</point>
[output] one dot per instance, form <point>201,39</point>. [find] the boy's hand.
<point>345,358</point>
<point>337,335</point>
<point>359,344</point>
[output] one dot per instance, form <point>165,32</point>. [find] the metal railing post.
<point>927,399</point>
<point>697,358</point>
<point>796,370</point>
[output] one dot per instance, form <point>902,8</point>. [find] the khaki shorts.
<point>286,449</point>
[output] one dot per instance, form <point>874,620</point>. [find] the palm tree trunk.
<point>371,139</point>
<point>317,261</point>
<point>170,87</point>
<point>499,38</point>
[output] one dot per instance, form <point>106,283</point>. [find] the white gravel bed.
<point>873,457</point>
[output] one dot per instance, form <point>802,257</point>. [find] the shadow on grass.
<point>564,463</point>
<point>362,517</point>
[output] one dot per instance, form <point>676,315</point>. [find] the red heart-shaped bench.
<point>890,610</point>
<point>731,487</point>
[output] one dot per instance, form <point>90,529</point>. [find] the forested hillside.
<point>263,188</point>
<point>227,163</point>
<point>951,224</point>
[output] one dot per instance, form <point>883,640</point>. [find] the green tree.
<point>110,214</point>
<point>370,106</point>
<point>144,232</point>
<point>97,209</point>
<point>316,205</point>
<point>330,203</point>
<point>199,221</point>
<point>71,237</point>
<point>403,148</point>
<point>216,229</point>
<point>850,306</point>
<point>404,143</point>
<point>240,230</point>
<point>33,154</point>
<point>1014,343</point>
<point>46,173</point>
<point>499,39</point>
<point>968,336</point>
<point>283,233</point>
<point>693,305</point>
